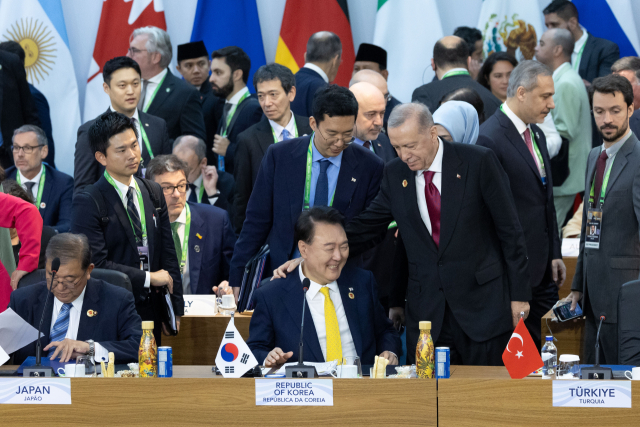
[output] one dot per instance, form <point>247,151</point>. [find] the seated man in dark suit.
<point>344,317</point>
<point>85,316</point>
<point>122,83</point>
<point>202,234</point>
<point>51,190</point>
<point>275,86</point>
<point>322,61</point>
<point>451,63</point>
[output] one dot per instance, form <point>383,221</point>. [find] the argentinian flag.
<point>40,29</point>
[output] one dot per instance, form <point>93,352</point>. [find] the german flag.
<point>302,18</point>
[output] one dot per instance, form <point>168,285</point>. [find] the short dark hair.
<point>305,229</point>
<point>105,126</point>
<point>563,8</point>
<point>470,96</point>
<point>611,84</point>
<point>162,164</point>
<point>334,100</point>
<point>14,189</point>
<point>13,47</point>
<point>490,62</point>
<point>323,46</point>
<point>236,59</point>
<point>275,72</point>
<point>118,63</point>
<point>455,56</point>
<point>469,35</point>
<point>69,247</point>
<point>627,63</point>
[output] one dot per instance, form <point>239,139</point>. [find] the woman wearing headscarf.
<point>457,121</point>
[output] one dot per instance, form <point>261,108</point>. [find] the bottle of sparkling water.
<point>148,352</point>
<point>425,355</point>
<point>549,358</point>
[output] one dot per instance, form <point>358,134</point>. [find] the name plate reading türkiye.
<point>592,394</point>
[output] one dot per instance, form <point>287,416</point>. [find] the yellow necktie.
<point>334,344</point>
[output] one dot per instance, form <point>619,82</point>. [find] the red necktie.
<point>432,195</point>
<point>527,141</point>
<point>601,165</point>
<point>367,145</point>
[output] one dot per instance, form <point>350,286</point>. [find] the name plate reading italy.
<point>592,394</point>
<point>200,305</point>
<point>35,391</point>
<point>293,392</point>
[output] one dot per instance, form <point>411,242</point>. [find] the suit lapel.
<point>586,54</point>
<point>302,130</point>
<point>148,129</point>
<point>514,137</point>
<point>91,302</point>
<point>195,257</point>
<point>347,179</point>
<point>620,161</point>
<point>454,177</point>
<point>164,91</point>
<point>46,192</point>
<point>297,166</point>
<point>591,171</point>
<point>264,134</point>
<point>236,114</point>
<point>113,198</point>
<point>411,206</point>
<point>351,310</point>
<point>48,314</point>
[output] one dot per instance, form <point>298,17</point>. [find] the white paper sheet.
<point>15,332</point>
<point>3,357</point>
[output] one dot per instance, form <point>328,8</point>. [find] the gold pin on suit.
<point>458,176</point>
<point>405,183</point>
<point>92,313</point>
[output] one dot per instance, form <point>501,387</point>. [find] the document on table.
<point>15,332</point>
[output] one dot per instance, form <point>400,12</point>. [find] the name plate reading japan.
<point>35,391</point>
<point>200,305</point>
<point>293,392</point>
<point>592,394</point>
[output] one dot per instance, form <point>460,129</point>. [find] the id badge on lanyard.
<point>143,253</point>
<point>593,229</point>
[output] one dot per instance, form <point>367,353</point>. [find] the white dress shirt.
<point>318,70</point>
<point>101,354</point>
<point>35,179</point>
<point>315,299</point>
<point>198,183</point>
<point>554,141</point>
<point>522,127</point>
<point>290,127</point>
<point>152,84</point>
<point>186,283</point>
<point>436,166</point>
<point>136,122</point>
<point>122,192</point>
<point>577,46</point>
<point>235,99</point>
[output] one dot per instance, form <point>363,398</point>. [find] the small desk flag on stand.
<point>521,356</point>
<point>234,357</point>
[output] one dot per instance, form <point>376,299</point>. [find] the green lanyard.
<point>201,192</point>
<point>185,241</point>
<point>232,111</point>
<point>295,131</point>
<point>40,186</point>
<point>455,73</point>
<point>603,190</point>
<point>576,64</point>
<point>307,181</point>
<point>533,141</point>
<point>154,94</point>
<point>145,139</point>
<point>143,219</point>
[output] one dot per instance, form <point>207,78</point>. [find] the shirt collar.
<point>182,218</point>
<point>613,150</point>
<point>336,161</point>
<point>198,181</point>
<point>158,77</point>
<point>559,69</point>
<point>125,188</point>
<point>436,165</point>
<point>318,70</point>
<point>77,303</point>
<point>517,121</point>
<point>35,179</point>
<point>290,126</point>
<point>314,287</point>
<point>358,141</point>
<point>236,98</point>
<point>135,114</point>
<point>581,41</point>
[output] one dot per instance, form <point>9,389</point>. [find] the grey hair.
<point>628,63</point>
<point>165,163</point>
<point>42,137</point>
<point>323,46</point>
<point>198,146</point>
<point>402,113</point>
<point>69,247</point>
<point>158,41</point>
<point>564,39</point>
<point>526,75</point>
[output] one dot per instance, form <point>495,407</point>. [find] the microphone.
<point>597,372</point>
<point>300,370</point>
<point>305,287</point>
<point>38,370</point>
<point>603,316</point>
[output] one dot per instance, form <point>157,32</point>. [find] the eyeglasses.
<point>66,284</point>
<point>182,188</point>
<point>28,149</point>
<point>134,50</point>
<point>346,140</point>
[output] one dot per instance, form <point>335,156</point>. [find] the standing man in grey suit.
<point>610,257</point>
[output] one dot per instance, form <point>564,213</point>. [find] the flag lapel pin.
<point>405,183</point>
<point>198,236</point>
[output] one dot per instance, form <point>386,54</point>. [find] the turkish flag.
<point>521,355</point>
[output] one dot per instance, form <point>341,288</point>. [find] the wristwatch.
<point>92,347</point>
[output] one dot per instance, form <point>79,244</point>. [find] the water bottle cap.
<point>549,338</point>
<point>147,324</point>
<point>424,325</point>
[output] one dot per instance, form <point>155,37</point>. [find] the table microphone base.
<point>38,371</point>
<point>596,372</point>
<point>301,371</point>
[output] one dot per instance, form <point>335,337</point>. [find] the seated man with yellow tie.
<point>344,316</point>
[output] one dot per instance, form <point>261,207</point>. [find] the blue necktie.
<point>285,135</point>
<point>59,330</point>
<point>193,197</point>
<point>322,186</point>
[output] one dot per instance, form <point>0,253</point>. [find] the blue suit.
<point>278,194</point>
<point>209,264</point>
<point>278,314</point>
<point>308,82</point>
<point>116,326</point>
<point>56,196</point>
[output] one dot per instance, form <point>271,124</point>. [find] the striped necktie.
<point>334,344</point>
<point>59,330</point>
<point>134,216</point>
<point>176,239</point>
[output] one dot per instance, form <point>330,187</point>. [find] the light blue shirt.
<point>332,173</point>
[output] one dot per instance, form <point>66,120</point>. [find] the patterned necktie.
<point>527,140</point>
<point>29,187</point>
<point>176,239</point>
<point>225,113</point>
<point>322,186</point>
<point>334,344</point>
<point>134,217</point>
<point>59,330</point>
<point>601,165</point>
<point>193,196</point>
<point>367,145</point>
<point>285,135</point>
<point>143,94</point>
<point>432,195</point>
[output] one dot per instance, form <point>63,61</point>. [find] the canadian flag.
<point>521,355</point>
<point>118,20</point>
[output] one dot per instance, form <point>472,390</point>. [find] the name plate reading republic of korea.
<point>35,391</point>
<point>293,392</point>
<point>592,394</point>
<point>200,305</point>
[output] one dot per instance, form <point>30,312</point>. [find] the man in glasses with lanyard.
<point>323,169</point>
<point>609,248</point>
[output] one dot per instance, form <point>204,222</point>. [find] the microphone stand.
<point>300,370</point>
<point>597,372</point>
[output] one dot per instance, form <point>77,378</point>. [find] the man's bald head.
<point>450,52</point>
<point>370,76</point>
<point>371,107</point>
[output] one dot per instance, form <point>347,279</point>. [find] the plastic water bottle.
<point>549,358</point>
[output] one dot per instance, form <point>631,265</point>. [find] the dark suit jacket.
<point>597,58</point>
<point>45,119</point>
<point>116,327</point>
<point>277,318</point>
<point>113,245</point>
<point>56,197</point>
<point>307,84</point>
<point>481,262</point>
<point>252,144</point>
<point>277,199</point>
<point>209,264</point>
<point>227,187</point>
<point>534,201</point>
<point>247,114</point>
<point>383,148</point>
<point>432,93</point>
<point>87,170</point>
<point>178,104</point>
<point>391,104</point>
<point>634,122</point>
<point>212,107</point>
<point>17,107</point>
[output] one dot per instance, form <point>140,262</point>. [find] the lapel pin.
<point>537,135</point>
<point>196,248</point>
<point>379,145</point>
<point>351,289</point>
<point>168,89</point>
<point>92,313</point>
<point>198,236</point>
<point>146,124</point>
<point>458,176</point>
<point>43,205</point>
<point>353,180</point>
<point>405,183</point>
<point>351,295</point>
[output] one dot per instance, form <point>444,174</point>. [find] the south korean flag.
<point>234,357</point>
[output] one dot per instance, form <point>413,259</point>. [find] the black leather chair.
<point>629,324</point>
<point>116,278</point>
